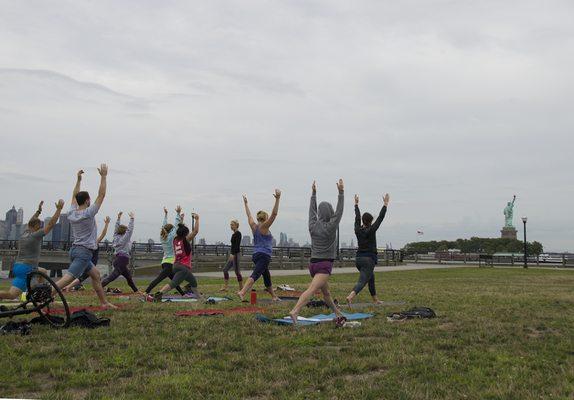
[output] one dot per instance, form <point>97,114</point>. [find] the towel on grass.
<point>207,311</point>
<point>314,320</point>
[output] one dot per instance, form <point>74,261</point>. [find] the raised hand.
<point>107,220</point>
<point>277,194</point>
<point>40,207</point>
<point>386,199</point>
<point>132,214</point>
<point>178,209</point>
<point>314,187</point>
<point>356,199</point>
<point>103,170</point>
<point>340,185</point>
<point>79,174</point>
<point>165,211</point>
<point>120,214</point>
<point>195,216</point>
<point>182,216</point>
<point>59,204</point>
<point>245,199</point>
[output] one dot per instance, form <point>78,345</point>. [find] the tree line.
<point>475,245</point>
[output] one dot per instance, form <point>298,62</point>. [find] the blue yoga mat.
<point>192,300</point>
<point>314,320</point>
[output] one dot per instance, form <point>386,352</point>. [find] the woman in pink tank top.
<point>182,265</point>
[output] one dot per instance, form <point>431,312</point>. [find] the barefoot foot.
<point>293,316</point>
<point>109,306</point>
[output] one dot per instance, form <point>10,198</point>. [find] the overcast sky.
<point>450,106</point>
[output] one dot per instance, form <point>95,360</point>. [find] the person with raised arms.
<point>77,283</point>
<point>182,263</point>
<point>234,256</point>
<point>167,234</point>
<point>263,247</point>
<point>323,224</point>
<point>366,257</point>
<point>84,231</point>
<point>29,247</point>
<point>122,246</point>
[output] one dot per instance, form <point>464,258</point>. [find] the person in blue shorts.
<point>77,283</point>
<point>84,231</point>
<point>29,247</point>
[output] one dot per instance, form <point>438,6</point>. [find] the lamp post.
<point>524,220</point>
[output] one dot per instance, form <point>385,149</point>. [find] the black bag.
<point>88,319</point>
<point>83,318</point>
<point>415,312</point>
<point>23,328</point>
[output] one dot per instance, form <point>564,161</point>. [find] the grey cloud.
<point>451,107</point>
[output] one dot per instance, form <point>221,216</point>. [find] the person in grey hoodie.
<point>323,224</point>
<point>122,245</point>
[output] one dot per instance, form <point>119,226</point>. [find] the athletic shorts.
<point>321,267</point>
<point>21,272</point>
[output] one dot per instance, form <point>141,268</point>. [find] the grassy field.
<point>500,334</point>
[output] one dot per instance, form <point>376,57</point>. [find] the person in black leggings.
<point>234,257</point>
<point>366,257</point>
<point>167,234</point>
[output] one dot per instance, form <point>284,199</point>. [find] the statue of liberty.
<point>509,213</point>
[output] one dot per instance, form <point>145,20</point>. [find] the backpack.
<point>83,318</point>
<point>413,313</point>
<point>88,319</point>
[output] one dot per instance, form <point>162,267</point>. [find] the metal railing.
<point>565,259</point>
<point>208,250</point>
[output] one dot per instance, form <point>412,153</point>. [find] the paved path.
<point>352,270</point>
<point>346,270</point>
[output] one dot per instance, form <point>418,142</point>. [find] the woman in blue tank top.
<point>263,247</point>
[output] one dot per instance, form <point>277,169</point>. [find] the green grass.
<point>500,334</point>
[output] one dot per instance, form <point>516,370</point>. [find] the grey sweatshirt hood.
<point>323,223</point>
<point>325,211</point>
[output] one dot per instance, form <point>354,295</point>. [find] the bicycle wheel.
<point>48,299</point>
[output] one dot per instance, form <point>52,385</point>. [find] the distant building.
<point>66,232</point>
<point>11,216</point>
<point>246,241</point>
<point>2,230</point>
<point>283,241</point>
<point>201,242</point>
<point>48,237</point>
<point>57,233</point>
<point>16,231</point>
<point>20,216</point>
<point>11,219</point>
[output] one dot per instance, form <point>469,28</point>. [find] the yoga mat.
<point>228,311</point>
<point>217,299</point>
<point>191,300</point>
<point>366,305</point>
<point>314,320</point>
<point>177,296</point>
<point>179,300</point>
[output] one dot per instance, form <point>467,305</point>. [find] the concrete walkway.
<point>346,270</point>
<point>353,270</point>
